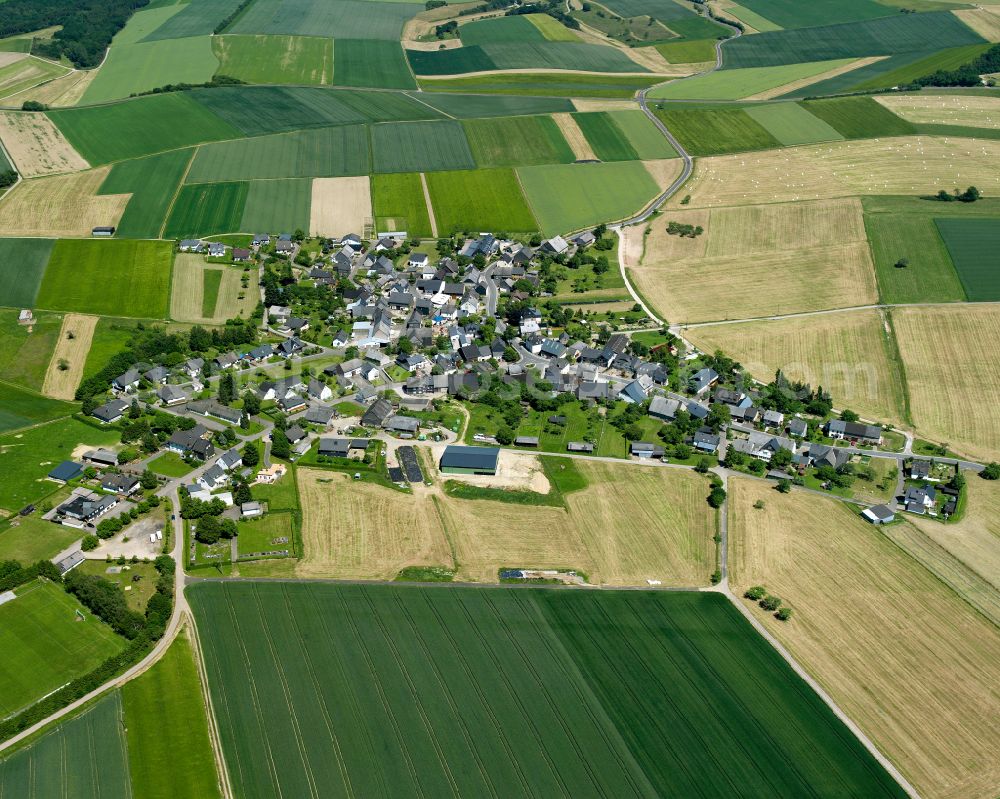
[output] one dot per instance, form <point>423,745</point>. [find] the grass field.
<point>913,165</point>
<point>72,346</point>
<point>606,139</point>
<point>552,29</point>
<point>517,141</point>
<point>819,249</point>
<point>973,245</point>
<point>859,117</point>
<point>281,205</point>
<point>792,124</point>
<point>560,718</point>
<point>571,56</point>
<point>110,337</point>
<point>86,754</point>
<point>712,131</point>
<point>34,539</point>
<point>947,353</point>
<point>420,147</point>
<point>322,152</point>
<point>739,83</point>
<point>22,264</point>
<point>848,353</point>
<point>133,68</point>
<point>574,196</point>
<point>646,140</point>
<point>120,277</point>
<point>275,59</point>
<point>847,591</point>
<point>194,19</point>
<point>908,70</point>
<point>169,464</point>
<point>60,205</point>
<point>166,724</point>
<point>481,199</point>
<point>20,407</point>
<point>547,85</point>
<point>348,19</point>
<point>399,204</point>
<point>790,14</point>
<point>694,51</point>
<point>486,106</point>
<point>264,534</point>
<point>899,33</point>
<point>371,62</point>
<point>152,182</point>
<point>143,126</point>
<point>500,29</point>
<point>207,208</point>
<point>35,664</point>
<point>24,352</point>
<point>36,145</point>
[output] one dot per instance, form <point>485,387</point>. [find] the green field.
<point>752,18</point>
<point>258,535</point>
<point>133,68</point>
<point>550,86</point>
<point>22,264</point>
<point>301,60</point>
<point>713,131</point>
<point>322,152</point>
<point>517,141</point>
<point>930,275</point>
<point>899,33</point>
<point>576,196</point>
<point>792,124</point>
<point>605,137</point>
<point>43,645</point>
<point>481,199</point>
<point>34,539</point>
<point>281,205</point>
<point>500,29</point>
<point>643,135</point>
<point>973,245</point>
<point>111,336</point>
<point>166,723</point>
<point>847,81</point>
<point>26,73</point>
<point>484,106</point>
<point>398,202</point>
<point>794,14</point>
<point>31,454</point>
<point>552,29</point>
<point>203,209</point>
<point>194,19</point>
<point>152,182</point>
<point>590,694</point>
<point>138,127</point>
<point>695,51</point>
<point>946,60</point>
<point>169,464</point>
<point>20,407</point>
<point>681,19</point>
<point>420,147</point>
<point>211,281</point>
<point>349,19</point>
<point>25,351</point>
<point>521,55</point>
<point>109,278</point>
<point>84,758</point>
<point>859,117</point>
<point>739,83</point>
<point>375,63</point>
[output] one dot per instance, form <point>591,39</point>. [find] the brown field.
<point>36,145</point>
<point>358,530</point>
<point>953,374</point>
<point>664,171</point>
<point>431,219</point>
<point>984,21</point>
<point>818,249</point>
<point>28,73</point>
<point>905,165</point>
<point>61,92</point>
<point>62,384</point>
<point>598,104</point>
<point>911,663</point>
<point>61,205</point>
<point>937,109</point>
<point>848,353</point>
<point>574,137</point>
<point>188,289</point>
<point>340,205</point>
<point>777,91</point>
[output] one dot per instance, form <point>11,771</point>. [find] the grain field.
<point>75,335</point>
<point>574,137</point>
<point>984,21</point>
<point>340,206</point>
<point>938,109</point>
<point>787,88</point>
<point>36,145</point>
<point>61,205</point>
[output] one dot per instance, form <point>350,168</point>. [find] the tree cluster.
<point>768,602</point>
<point>106,600</point>
<point>967,74</point>
<point>970,195</point>
<point>681,229</point>
<point>13,574</point>
<point>8,178</point>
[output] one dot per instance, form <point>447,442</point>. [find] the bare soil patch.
<point>340,205</point>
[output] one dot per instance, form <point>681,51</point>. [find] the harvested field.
<point>950,358</point>
<point>340,205</point>
<point>910,165</point>
<point>938,109</point>
<point>61,92</point>
<point>659,246</point>
<point>352,529</point>
<point>72,347</point>
<point>664,171</point>
<point>574,137</point>
<point>60,205</point>
<point>897,650</point>
<point>187,292</point>
<point>26,73</point>
<point>848,353</point>
<point>809,80</point>
<point>36,145</point>
<point>984,21</point>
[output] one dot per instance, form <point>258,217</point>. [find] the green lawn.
<point>33,664</point>
<point>207,208</point>
<point>399,203</point>
<point>34,539</point>
<point>974,245</point>
<point>260,535</point>
<point>111,336</point>
<point>20,407</point>
<point>301,60</point>
<point>169,464</point>
<point>211,281</point>
<point>22,265</point>
<point>167,724</point>
<point>279,496</point>
<point>112,278</point>
<point>152,182</point>
<point>517,141</point>
<point>24,355</point>
<point>615,693</point>
<point>734,84</point>
<point>481,199</point>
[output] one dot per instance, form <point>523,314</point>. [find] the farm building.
<point>879,514</point>
<point>65,471</point>
<point>469,460</point>
<point>103,231</point>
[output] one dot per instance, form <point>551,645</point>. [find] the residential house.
<point>83,508</point>
<point>762,446</point>
<point>241,254</point>
<point>403,425</point>
<point>663,408</point>
<point>376,415</point>
<point>919,499</point>
<point>158,374</point>
<point>171,395</point>
<point>125,484</point>
<point>706,441</point>
<point>854,431</point>
<point>703,380</point>
<point>192,442</point>
<point>216,249</point>
<point>111,411</point>
<point>191,245</point>
<point>216,410</point>
<point>318,391</point>
<point>129,381</point>
<point>643,449</point>
<point>798,428</point>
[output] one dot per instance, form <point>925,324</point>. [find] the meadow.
<point>203,209</point>
<point>119,277</point>
<point>792,124</point>
<point>789,14</point>
<point>85,755</point>
<point>850,354</point>
<point>500,29</point>
<point>575,196</point>
<point>20,407</point>
<point>34,665</point>
<point>858,117</point>
<point>516,141</point>
<point>908,68</point>
<point>948,357</point>
<point>606,139</point>
<point>973,245</point>
<point>714,131</point>
<point>22,264</point>
<point>695,51</point>
<point>525,55</point>
<point>561,717</point>
<point>25,355</point>
<point>485,106</point>
<point>420,147</point>
<point>281,205</point>
<point>481,199</point>
<point>152,182</point>
<point>275,59</point>
<point>735,84</point>
<point>545,85</point>
<point>399,204</point>
<point>33,539</point>
<point>371,62</point>
<point>846,592</point>
<point>645,138</point>
<point>194,19</point>
<point>347,19</point>
<point>166,723</point>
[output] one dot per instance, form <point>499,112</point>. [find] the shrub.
<point>755,593</point>
<point>89,543</point>
<point>770,602</point>
<point>991,471</point>
<point>783,614</point>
